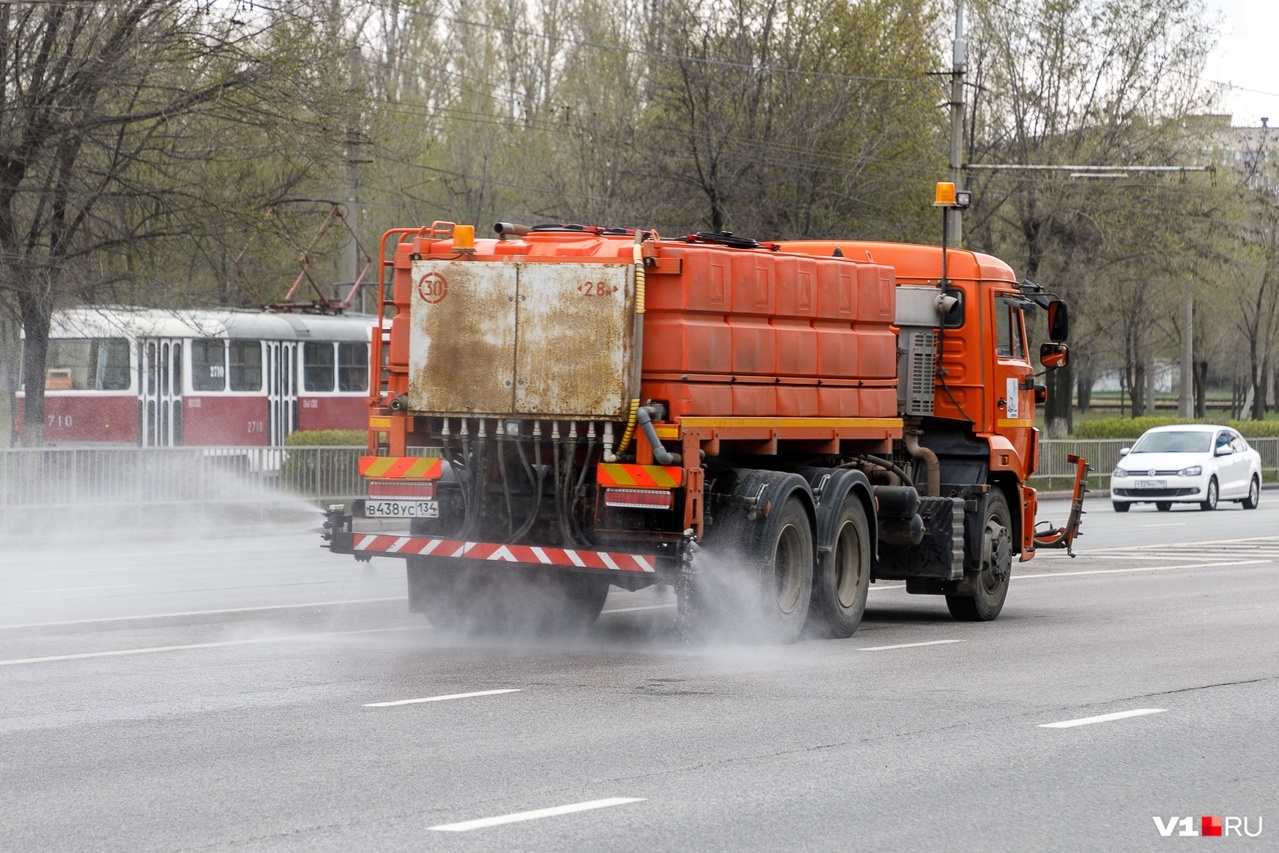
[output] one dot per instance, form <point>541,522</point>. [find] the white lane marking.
<point>1141,569</point>
<point>97,554</point>
<point>1103,718</point>
<point>204,612</point>
<point>468,825</point>
<point>1180,545</point>
<point>671,606</point>
<point>876,586</point>
<point>907,645</point>
<point>77,589</point>
<point>217,645</point>
<point>440,698</point>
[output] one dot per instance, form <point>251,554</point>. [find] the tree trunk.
<point>1057,410</point>
<point>36,315</point>
<point>1201,389</point>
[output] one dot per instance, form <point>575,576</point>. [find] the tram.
<point>156,378</point>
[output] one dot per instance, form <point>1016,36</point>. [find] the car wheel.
<point>1121,507</point>
<point>1254,494</point>
<point>1210,502</point>
<point>1163,506</point>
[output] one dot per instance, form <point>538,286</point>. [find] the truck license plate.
<point>397,509</point>
<point>1151,484</point>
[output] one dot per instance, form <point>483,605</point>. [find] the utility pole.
<point>351,185</point>
<point>958,62</point>
<point>1186,399</point>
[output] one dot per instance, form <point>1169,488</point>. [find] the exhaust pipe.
<point>510,229</point>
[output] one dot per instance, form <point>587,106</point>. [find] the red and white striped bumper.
<point>374,544</point>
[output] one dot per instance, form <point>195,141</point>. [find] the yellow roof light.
<point>464,238</point>
<point>945,196</point>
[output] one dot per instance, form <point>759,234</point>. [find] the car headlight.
<point>1192,471</point>
<point>1119,472</point>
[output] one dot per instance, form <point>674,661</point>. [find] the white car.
<point>1190,463</point>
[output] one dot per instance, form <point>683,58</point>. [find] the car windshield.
<point>1173,442</point>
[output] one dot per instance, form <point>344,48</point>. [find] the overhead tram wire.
<point>1034,19</point>
<point>666,57</point>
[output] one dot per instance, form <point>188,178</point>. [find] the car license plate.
<point>1151,484</point>
<point>386,508</point>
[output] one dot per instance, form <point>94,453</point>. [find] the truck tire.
<point>538,602</point>
<point>754,570</point>
<point>842,578</point>
<point>575,603</point>
<point>783,556</point>
<point>995,567</point>
<point>443,593</point>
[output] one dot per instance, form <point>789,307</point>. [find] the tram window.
<point>317,366</point>
<point>87,364</point>
<point>208,365</point>
<point>177,370</point>
<point>246,366</point>
<point>353,367</point>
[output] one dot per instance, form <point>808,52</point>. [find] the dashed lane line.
<point>203,612</point>
<point>482,823</point>
<point>447,698</point>
<point>218,645</point>
<point>908,645</point>
<point>1141,569</point>
<point>1102,718</point>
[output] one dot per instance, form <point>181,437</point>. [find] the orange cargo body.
<point>730,332</point>
<point>792,335</point>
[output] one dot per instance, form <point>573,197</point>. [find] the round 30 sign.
<point>432,287</point>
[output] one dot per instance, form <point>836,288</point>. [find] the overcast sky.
<point>1246,56</point>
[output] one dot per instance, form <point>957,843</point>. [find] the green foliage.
<point>1134,427</point>
<point>328,438</point>
<point>324,463</point>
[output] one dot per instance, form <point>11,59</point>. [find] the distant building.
<point>1246,150</point>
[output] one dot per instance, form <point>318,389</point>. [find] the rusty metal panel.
<point>462,343</point>
<point>576,343</point>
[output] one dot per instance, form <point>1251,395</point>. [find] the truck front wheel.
<point>995,565</point>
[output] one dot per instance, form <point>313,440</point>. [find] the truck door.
<point>160,365</point>
<point>1013,389</point>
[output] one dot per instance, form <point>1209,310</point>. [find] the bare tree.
<point>1091,83</point>
<point>110,116</point>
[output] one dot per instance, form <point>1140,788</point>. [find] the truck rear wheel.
<point>538,602</point>
<point>445,594</point>
<point>994,565</point>
<point>843,575</point>
<point>501,601</point>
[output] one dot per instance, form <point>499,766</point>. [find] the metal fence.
<point>49,478</point>
<point>1103,455</point>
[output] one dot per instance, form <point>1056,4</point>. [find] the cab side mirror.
<point>1054,355</point>
<point>1058,321</point>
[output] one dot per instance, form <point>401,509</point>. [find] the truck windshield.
<point>1173,442</point>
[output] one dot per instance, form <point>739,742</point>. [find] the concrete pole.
<point>958,61</point>
<point>1186,400</point>
<point>351,183</point>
